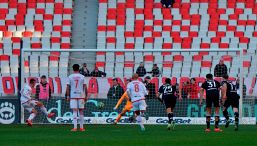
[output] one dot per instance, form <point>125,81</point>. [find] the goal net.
<point>108,72</point>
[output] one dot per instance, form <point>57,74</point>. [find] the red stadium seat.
<point>227,58</point>
<point>206,64</point>
<point>166,53</point>
<point>27,34</point>
<point>100,53</point>
<point>197,58</point>
<point>36,45</point>
<point>129,64</point>
<point>149,58</point>
<point>66,34</point>
<point>16,52</point>
<point>167,45</point>
<point>100,64</point>
<point>168,64</point>
<point>224,45</point>
<point>65,45</point>
<point>26,63</point>
<point>129,46</point>
<point>111,40</point>
<point>178,58</point>
<point>244,40</point>
<point>204,45</point>
<point>53,58</point>
<point>55,40</point>
<point>247,64</point>
<point>4,57</point>
<point>149,40</point>
<point>119,53</point>
<point>16,39</point>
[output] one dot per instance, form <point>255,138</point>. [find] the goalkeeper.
<point>126,108</point>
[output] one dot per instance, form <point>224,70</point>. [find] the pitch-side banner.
<point>155,120</point>
<point>187,111</point>
<point>98,87</point>
<point>9,111</point>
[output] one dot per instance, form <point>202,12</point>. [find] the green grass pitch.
<point>127,135</point>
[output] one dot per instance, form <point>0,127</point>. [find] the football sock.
<point>81,119</point>
<point>43,109</point>
<point>236,118</point>
<point>208,119</point>
<point>139,120</point>
<point>217,120</point>
<point>170,117</point>
<point>118,118</point>
<point>75,119</point>
<point>225,114</point>
<point>32,116</point>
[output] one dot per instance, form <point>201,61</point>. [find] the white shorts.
<point>77,103</point>
<point>30,105</point>
<point>139,105</point>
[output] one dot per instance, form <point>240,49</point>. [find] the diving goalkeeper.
<point>126,108</point>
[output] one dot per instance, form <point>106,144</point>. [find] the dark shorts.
<point>170,102</point>
<point>232,101</point>
<point>212,100</point>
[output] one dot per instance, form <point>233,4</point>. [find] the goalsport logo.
<point>7,113</point>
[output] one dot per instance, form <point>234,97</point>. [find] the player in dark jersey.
<point>230,98</point>
<point>167,94</point>
<point>212,98</point>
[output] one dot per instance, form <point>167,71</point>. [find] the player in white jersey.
<point>29,103</point>
<point>136,91</point>
<point>76,92</point>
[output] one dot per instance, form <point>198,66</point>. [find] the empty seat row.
<point>37,24</point>
<point>145,20</point>
<point>171,64</point>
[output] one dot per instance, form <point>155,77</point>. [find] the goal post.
<point>179,65</point>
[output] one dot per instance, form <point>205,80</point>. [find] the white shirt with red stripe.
<point>136,90</point>
<point>26,94</point>
<point>76,82</point>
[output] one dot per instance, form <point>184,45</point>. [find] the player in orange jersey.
<point>126,108</point>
